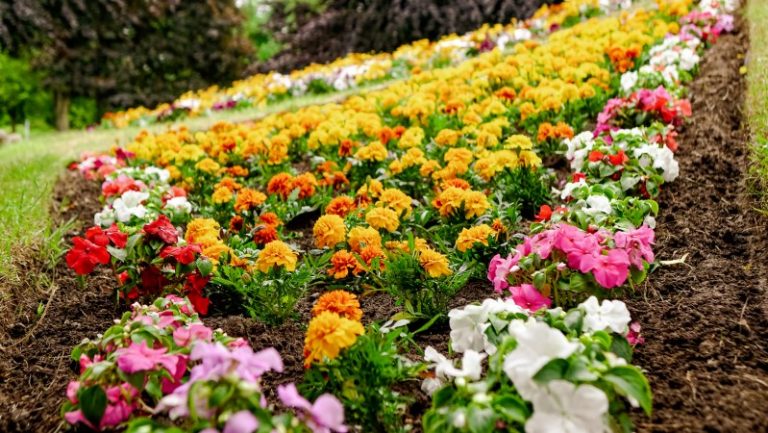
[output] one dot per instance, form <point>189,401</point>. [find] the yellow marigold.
<point>327,335</point>
<point>222,195</point>
<point>460,156</point>
<point>208,165</point>
<point>329,231</point>
<point>214,250</point>
<point>475,204</point>
<point>372,152</point>
<point>428,167</point>
<point>382,218</point>
<point>360,237</point>
<point>448,200</point>
<point>518,142</point>
<point>373,188</point>
<point>434,263</point>
<point>468,237</point>
<point>396,200</point>
<point>276,253</point>
<point>341,302</point>
<point>249,198</point>
<point>447,137</point>
<point>412,137</point>
<point>199,228</point>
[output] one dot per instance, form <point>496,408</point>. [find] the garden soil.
<point>705,321</point>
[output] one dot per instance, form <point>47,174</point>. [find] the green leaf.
<point>93,403</point>
<point>481,420</point>
<point>629,381</point>
<point>442,396</point>
<point>621,347</point>
<point>512,408</point>
<point>553,370</point>
<point>204,266</point>
<point>118,253</point>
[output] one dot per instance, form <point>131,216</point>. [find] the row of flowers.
<point>550,369</point>
<point>161,359</point>
<point>566,368</point>
<point>357,70</point>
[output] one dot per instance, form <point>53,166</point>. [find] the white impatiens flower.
<point>537,344</point>
<point>660,158</point>
<point>578,148</point>
<point>105,218</point>
<point>468,324</point>
<point>129,205</point>
<point>688,59</point>
<point>611,315</point>
<point>598,204</point>
<point>179,205</point>
<point>570,186</point>
<point>628,81</point>
<point>562,407</point>
<point>161,173</point>
<point>471,368</point>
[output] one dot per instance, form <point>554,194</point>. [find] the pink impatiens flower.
<point>637,243</point>
<point>139,357</point>
<point>526,296</point>
<point>499,269</point>
<point>194,332</point>
<point>326,415</point>
<point>610,270</point>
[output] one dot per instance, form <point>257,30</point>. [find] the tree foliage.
<point>347,26</point>
<point>128,52</point>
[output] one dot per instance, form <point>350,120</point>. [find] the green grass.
<point>29,169</point>
<point>757,97</point>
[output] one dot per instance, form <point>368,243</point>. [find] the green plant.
<point>365,378</point>
<point>421,295</point>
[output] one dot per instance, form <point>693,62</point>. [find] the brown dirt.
<point>34,349</point>
<point>706,322</point>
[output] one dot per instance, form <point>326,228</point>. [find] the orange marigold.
<point>341,302</point>
<point>341,263</point>
<point>281,184</point>
<point>306,183</point>
<point>265,234</point>
<point>340,206</point>
<point>249,198</point>
<point>270,218</point>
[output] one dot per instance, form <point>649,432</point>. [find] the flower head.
<point>341,302</point>
<point>276,253</point>
<point>329,231</point>
<point>327,335</point>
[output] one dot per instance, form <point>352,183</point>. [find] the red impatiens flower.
<point>577,177</point>
<point>545,213</point>
<point>162,229</point>
<point>184,254</point>
<point>85,255</point>
<point>618,159</point>
<point>103,237</point>
<point>596,156</point>
<point>153,280</point>
<point>194,288</point>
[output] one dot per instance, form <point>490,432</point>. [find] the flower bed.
<point>413,191</point>
<point>357,70</point>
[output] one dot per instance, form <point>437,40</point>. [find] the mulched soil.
<point>705,322</point>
